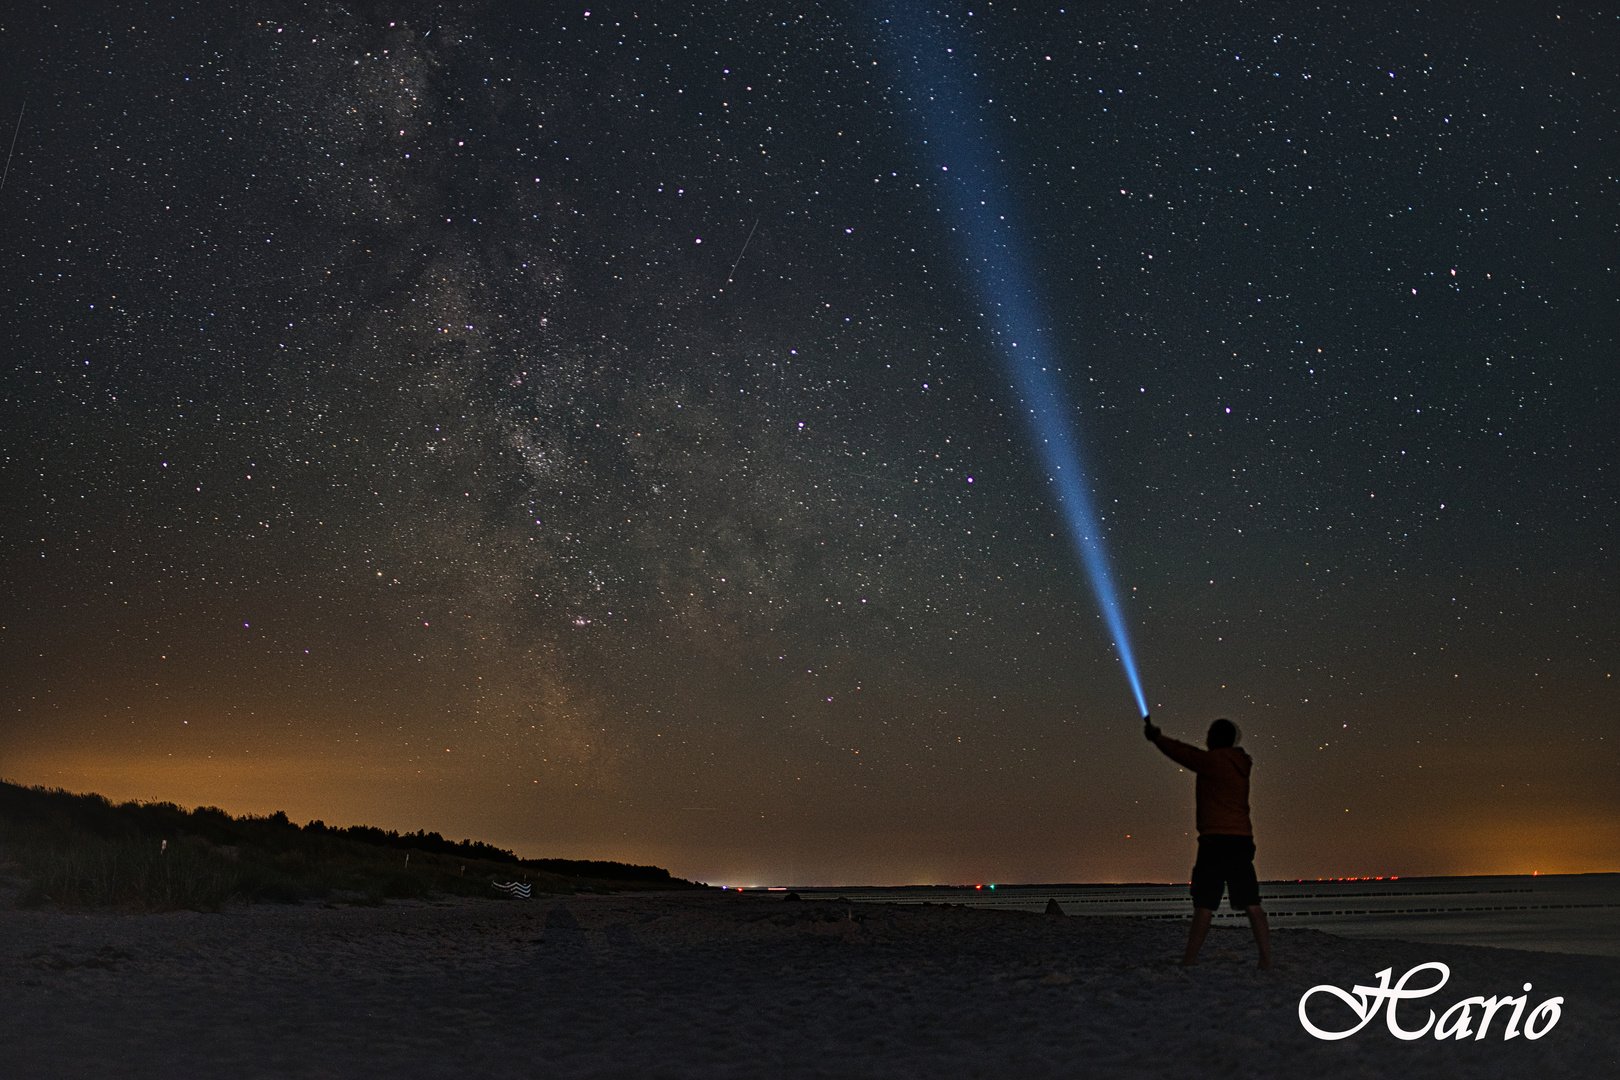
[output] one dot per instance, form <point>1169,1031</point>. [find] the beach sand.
<point>720,985</point>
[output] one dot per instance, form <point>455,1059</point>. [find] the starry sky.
<point>574,427</point>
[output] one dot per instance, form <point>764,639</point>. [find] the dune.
<point>714,984</point>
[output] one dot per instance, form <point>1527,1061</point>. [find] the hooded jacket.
<point>1223,785</point>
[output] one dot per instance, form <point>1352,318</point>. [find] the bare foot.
<point>1264,965</point>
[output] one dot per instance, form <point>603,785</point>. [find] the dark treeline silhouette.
<point>477,849</point>
<point>276,833</point>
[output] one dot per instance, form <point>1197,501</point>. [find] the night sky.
<point>578,430</point>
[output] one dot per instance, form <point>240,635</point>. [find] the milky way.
<point>398,430</point>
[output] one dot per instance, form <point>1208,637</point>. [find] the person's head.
<point>1222,734</point>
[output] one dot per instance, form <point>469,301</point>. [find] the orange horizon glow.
<point>374,793</point>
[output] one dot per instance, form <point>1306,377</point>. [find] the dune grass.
<point>84,851</point>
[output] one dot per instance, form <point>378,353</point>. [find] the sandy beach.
<point>720,985</point>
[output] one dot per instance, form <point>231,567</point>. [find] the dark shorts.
<point>1225,864</point>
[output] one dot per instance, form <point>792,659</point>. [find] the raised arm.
<point>1188,756</point>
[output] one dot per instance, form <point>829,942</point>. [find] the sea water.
<point>1566,913</point>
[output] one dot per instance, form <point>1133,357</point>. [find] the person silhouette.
<point>1225,834</point>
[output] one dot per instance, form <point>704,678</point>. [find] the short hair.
<point>1222,734</point>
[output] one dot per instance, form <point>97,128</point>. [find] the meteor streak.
<point>743,252</point>
<point>14,133</point>
<point>936,73</point>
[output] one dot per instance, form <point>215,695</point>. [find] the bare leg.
<point>1195,936</point>
<point>1262,935</point>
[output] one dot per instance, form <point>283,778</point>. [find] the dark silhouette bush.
<point>84,850</point>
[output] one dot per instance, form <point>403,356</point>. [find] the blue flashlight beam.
<point>937,73</point>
